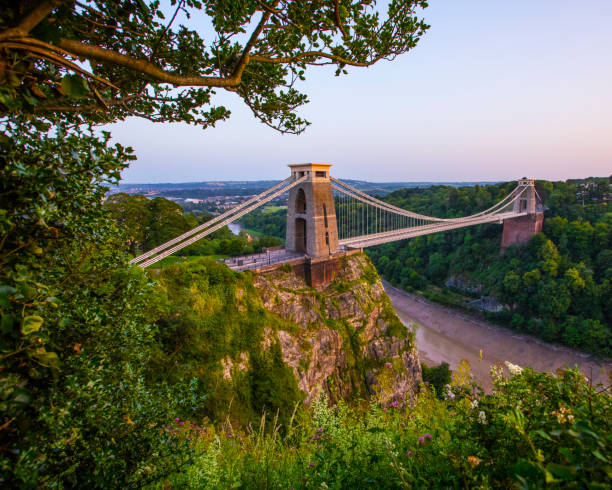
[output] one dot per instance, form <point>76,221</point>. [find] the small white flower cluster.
<point>514,368</point>
<point>448,394</point>
<point>482,418</point>
<point>497,372</point>
<point>474,403</point>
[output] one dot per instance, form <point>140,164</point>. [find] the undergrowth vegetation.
<point>208,315</point>
<point>534,430</point>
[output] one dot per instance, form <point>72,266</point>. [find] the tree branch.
<point>244,59</point>
<point>50,53</point>
<point>146,67</point>
<point>338,19</point>
<point>318,54</point>
<point>31,20</point>
<point>163,34</point>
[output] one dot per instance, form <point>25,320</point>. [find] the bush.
<point>535,430</point>
<point>437,376</point>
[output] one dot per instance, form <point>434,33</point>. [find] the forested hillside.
<point>147,223</point>
<point>558,287</point>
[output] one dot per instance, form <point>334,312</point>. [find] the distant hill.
<point>201,190</point>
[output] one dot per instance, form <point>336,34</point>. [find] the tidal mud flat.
<point>449,335</point>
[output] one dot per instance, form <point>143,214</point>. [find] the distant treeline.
<point>147,223</point>
<point>558,287</point>
<point>268,223</point>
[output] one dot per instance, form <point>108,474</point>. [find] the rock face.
<point>343,339</point>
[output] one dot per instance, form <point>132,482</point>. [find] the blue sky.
<point>494,91</point>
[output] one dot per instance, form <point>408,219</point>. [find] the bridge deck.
<point>401,234</point>
<point>256,261</point>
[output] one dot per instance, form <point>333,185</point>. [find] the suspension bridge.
<point>327,218</point>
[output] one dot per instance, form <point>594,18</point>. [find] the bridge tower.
<point>519,230</point>
<point>311,213</point>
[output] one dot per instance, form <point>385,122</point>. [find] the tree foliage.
<point>147,223</point>
<point>557,287</point>
<point>77,404</point>
<point>104,61</point>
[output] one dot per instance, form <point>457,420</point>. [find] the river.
<point>444,334</point>
<point>235,228</point>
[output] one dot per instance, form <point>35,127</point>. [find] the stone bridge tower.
<point>520,230</point>
<point>311,213</point>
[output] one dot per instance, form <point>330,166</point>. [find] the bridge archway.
<point>300,201</point>
<point>300,234</point>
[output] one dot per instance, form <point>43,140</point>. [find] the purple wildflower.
<point>311,464</point>
<point>409,453</point>
<point>182,423</point>
<point>422,441</point>
<point>428,437</point>
<point>388,365</point>
<point>176,419</point>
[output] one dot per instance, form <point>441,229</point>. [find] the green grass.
<point>272,209</point>
<point>253,233</point>
<point>175,259</point>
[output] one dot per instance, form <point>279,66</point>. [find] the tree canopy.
<point>78,403</point>
<point>102,61</point>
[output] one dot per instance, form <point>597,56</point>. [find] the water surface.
<point>444,334</point>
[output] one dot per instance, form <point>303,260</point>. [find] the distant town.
<point>217,196</point>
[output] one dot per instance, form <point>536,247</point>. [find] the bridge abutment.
<point>519,230</point>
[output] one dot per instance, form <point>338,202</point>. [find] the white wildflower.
<point>482,418</point>
<point>448,394</point>
<point>474,403</point>
<point>514,368</point>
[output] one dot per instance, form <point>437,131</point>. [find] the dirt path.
<point>449,335</point>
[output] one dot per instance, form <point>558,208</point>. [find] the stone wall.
<point>520,230</point>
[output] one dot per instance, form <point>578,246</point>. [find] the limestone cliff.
<point>348,341</point>
<point>264,342</point>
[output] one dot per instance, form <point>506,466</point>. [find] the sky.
<point>494,91</point>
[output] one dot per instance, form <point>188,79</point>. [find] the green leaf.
<point>543,434</point>
<point>48,359</point>
<point>143,7</point>
<point>64,322</point>
<point>6,324</point>
<point>75,86</point>
<point>599,456</point>
<point>4,293</point>
<point>563,472</point>
<point>8,99</point>
<point>549,477</point>
<point>31,324</point>
<point>21,395</point>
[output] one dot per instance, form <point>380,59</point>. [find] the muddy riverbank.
<point>449,335</point>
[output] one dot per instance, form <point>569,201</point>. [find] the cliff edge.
<point>349,343</point>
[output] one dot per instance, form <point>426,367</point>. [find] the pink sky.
<point>495,91</point>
